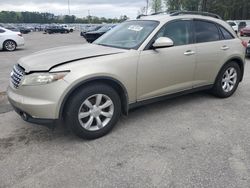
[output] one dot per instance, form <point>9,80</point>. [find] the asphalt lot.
<point>190,141</point>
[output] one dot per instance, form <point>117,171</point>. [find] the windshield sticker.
<point>135,28</point>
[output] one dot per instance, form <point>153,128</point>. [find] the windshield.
<point>105,28</point>
<point>128,35</point>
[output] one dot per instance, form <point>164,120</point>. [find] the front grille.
<point>17,75</point>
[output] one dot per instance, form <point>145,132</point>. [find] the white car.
<point>10,40</point>
<point>70,29</point>
<point>234,25</point>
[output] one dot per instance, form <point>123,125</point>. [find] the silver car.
<point>140,61</point>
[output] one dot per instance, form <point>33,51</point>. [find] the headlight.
<point>42,78</point>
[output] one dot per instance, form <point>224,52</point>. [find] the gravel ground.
<point>190,141</point>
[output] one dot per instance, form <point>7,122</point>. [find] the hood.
<point>47,59</point>
<point>95,32</point>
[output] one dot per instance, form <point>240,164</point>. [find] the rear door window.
<point>206,31</point>
<point>226,34</point>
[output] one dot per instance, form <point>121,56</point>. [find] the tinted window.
<point>2,31</point>
<point>232,23</point>
<point>227,35</point>
<point>178,31</point>
<point>206,31</point>
<point>242,24</point>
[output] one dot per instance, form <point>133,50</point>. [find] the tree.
<point>173,4</point>
<point>204,5</point>
<point>142,11</point>
<point>227,9</point>
<point>191,5</point>
<point>36,17</point>
<point>156,6</point>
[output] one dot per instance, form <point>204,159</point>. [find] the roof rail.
<point>141,15</point>
<point>196,13</point>
<point>156,13</point>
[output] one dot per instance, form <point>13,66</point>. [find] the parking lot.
<point>195,140</point>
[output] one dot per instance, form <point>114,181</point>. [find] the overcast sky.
<point>106,8</point>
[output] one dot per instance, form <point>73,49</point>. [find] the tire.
<point>225,84</point>
<point>78,105</point>
<point>9,45</point>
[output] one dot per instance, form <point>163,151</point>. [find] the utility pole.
<point>147,1</point>
<point>69,7</point>
<point>89,15</point>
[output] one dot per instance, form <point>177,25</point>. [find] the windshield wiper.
<point>112,46</point>
<point>103,44</point>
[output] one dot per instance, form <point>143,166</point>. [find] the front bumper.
<point>50,123</point>
<point>38,102</point>
<point>246,33</point>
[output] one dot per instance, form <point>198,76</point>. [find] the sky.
<point>79,8</point>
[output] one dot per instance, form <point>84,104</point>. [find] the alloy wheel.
<point>10,45</point>
<point>96,112</point>
<point>229,79</point>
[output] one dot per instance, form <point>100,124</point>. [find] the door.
<point>2,38</point>
<point>167,70</point>
<point>210,50</point>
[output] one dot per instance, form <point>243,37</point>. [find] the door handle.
<point>189,52</point>
<point>225,47</point>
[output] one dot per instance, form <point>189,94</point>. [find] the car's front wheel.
<point>93,111</point>
<point>9,45</point>
<point>227,80</point>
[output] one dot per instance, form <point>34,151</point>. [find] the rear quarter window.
<point>206,31</point>
<point>226,34</point>
<point>2,31</point>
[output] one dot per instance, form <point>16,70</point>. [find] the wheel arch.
<point>8,40</point>
<point>239,61</point>
<point>114,83</point>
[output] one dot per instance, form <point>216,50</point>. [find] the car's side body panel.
<point>124,70</point>
<point>165,70</point>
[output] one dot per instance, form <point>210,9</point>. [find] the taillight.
<point>244,43</point>
<point>20,34</point>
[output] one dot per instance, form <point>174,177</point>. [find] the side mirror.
<point>162,42</point>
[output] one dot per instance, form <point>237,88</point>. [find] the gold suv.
<point>140,61</point>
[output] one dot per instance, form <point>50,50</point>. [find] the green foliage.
<point>36,17</point>
<point>156,6</point>
<point>227,9</point>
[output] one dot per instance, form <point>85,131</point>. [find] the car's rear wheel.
<point>93,111</point>
<point>228,80</point>
<point>9,45</point>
